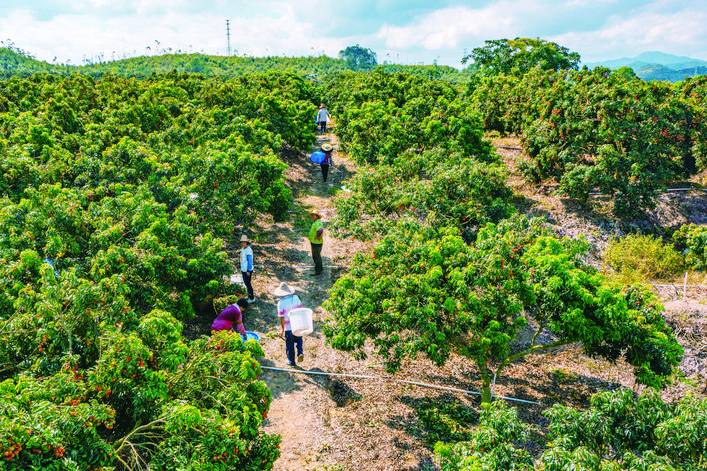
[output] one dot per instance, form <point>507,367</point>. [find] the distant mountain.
<point>655,65</point>
<point>651,58</point>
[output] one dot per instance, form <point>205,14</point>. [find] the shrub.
<point>620,431</point>
<point>624,431</point>
<point>638,259</point>
<point>445,419</point>
<point>492,445</point>
<point>694,237</point>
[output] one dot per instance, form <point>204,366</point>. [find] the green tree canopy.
<point>625,72</point>
<point>359,58</point>
<point>502,56</point>
<point>619,431</point>
<point>426,291</point>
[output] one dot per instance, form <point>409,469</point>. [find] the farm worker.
<point>247,266</point>
<point>233,314</point>
<point>288,302</point>
<point>316,241</point>
<point>327,149</point>
<point>322,116</point>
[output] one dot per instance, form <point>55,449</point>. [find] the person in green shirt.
<point>316,240</point>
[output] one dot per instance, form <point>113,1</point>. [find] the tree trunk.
<point>485,390</point>
<point>485,382</point>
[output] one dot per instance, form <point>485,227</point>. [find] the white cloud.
<point>75,37</point>
<point>78,29</point>
<point>584,3</point>
<point>681,33</point>
<point>450,27</point>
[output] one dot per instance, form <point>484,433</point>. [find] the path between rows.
<point>301,411</point>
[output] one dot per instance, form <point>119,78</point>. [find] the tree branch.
<point>136,430</point>
<point>534,349</point>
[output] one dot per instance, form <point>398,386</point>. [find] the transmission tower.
<point>228,37</point>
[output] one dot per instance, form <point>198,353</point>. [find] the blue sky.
<point>401,31</point>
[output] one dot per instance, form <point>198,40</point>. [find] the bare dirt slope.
<point>352,423</point>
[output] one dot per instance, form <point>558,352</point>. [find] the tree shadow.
<point>280,381</point>
<point>672,209</point>
<point>444,418</point>
<point>531,389</point>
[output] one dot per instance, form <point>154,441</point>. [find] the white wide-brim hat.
<point>283,290</point>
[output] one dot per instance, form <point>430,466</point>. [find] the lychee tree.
<point>424,290</point>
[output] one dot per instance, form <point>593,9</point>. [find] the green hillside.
<point>657,66</point>
<point>14,62</point>
<point>661,72</point>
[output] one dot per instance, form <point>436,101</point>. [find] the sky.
<point>398,31</point>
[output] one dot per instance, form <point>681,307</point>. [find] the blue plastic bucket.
<point>252,336</point>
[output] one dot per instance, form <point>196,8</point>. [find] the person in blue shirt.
<point>247,266</point>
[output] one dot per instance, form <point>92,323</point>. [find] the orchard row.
<point>600,131</point>
<point>116,195</point>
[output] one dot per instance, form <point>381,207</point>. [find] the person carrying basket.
<point>288,302</point>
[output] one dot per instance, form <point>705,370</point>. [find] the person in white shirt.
<point>322,116</point>
<point>289,301</point>
<point>247,266</point>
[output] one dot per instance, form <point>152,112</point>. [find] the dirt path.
<point>301,409</point>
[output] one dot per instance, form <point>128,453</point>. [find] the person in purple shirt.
<point>233,314</point>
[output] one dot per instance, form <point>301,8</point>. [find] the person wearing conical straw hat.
<point>316,241</point>
<point>327,149</point>
<point>288,302</point>
<point>247,266</point>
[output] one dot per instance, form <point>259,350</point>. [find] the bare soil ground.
<point>348,423</point>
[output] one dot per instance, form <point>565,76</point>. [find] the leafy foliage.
<point>358,58</point>
<point>421,153</point>
<point>493,444</point>
<point>440,187</point>
<point>520,55</point>
<point>381,115</point>
<point>15,62</point>
<point>694,238</point>
<point>597,131</point>
<point>426,291</point>
<point>442,419</point>
<point>620,431</point>
<point>115,194</point>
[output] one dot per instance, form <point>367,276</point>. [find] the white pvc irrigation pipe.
<point>669,190</point>
<point>416,383</point>
<point>312,266</point>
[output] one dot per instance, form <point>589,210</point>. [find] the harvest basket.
<point>301,321</point>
